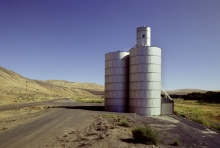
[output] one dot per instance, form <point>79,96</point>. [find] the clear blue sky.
<point>67,39</point>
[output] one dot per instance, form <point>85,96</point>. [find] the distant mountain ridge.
<point>184,91</point>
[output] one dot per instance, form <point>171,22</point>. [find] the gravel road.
<point>45,129</point>
<point>19,106</point>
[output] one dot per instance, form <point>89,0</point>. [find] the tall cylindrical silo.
<point>116,81</point>
<point>145,77</point>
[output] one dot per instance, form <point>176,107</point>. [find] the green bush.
<point>145,135</point>
<point>124,122</point>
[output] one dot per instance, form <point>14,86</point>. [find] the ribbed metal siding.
<point>167,108</point>
<point>116,81</point>
<point>145,80</point>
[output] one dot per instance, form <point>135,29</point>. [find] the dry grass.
<point>206,114</point>
<point>77,85</point>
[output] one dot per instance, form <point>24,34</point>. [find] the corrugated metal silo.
<point>145,76</point>
<point>116,81</point>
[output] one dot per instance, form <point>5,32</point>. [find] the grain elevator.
<point>133,79</point>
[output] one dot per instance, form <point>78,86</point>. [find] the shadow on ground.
<point>93,108</point>
<point>130,140</point>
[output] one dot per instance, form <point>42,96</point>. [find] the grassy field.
<point>89,99</point>
<point>203,113</point>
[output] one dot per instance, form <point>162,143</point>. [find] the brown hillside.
<point>76,85</point>
<point>13,88</point>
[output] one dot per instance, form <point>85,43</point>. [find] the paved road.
<point>69,116</point>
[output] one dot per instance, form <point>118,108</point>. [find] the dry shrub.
<point>145,135</point>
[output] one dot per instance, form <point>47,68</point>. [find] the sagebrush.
<point>145,135</point>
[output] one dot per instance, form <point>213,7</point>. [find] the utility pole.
<point>26,86</point>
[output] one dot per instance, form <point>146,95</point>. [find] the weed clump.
<point>145,135</point>
<point>120,120</point>
<point>107,115</point>
<point>124,122</point>
<point>4,128</point>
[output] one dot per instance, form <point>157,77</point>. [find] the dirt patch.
<point>105,130</point>
<point>12,118</point>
